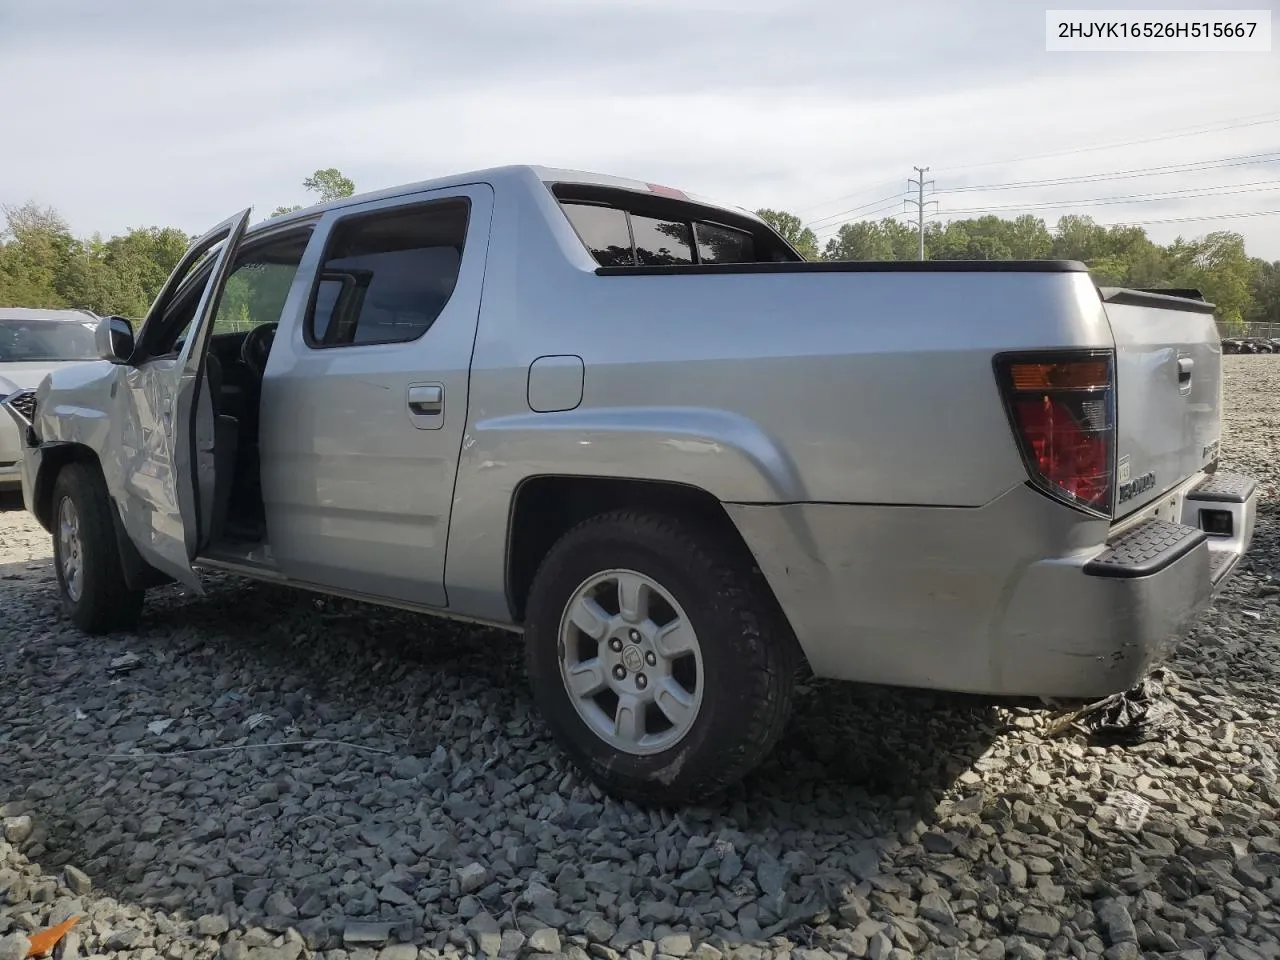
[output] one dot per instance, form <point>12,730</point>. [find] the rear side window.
<point>660,243</point>
<point>605,232</point>
<point>723,245</point>
<point>388,275</point>
<point>623,229</point>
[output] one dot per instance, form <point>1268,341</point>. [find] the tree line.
<point>43,264</point>
<point>1244,288</point>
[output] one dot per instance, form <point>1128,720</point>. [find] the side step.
<point>1145,548</point>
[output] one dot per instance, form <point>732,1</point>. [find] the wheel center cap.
<point>632,658</point>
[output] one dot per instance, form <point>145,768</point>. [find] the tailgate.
<point>1168,391</point>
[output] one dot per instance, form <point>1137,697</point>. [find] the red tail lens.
<point>1063,413</point>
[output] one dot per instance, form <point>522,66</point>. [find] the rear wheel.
<point>85,556</point>
<point>657,657</point>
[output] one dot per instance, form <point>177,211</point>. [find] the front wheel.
<point>657,657</point>
<point>85,554</point>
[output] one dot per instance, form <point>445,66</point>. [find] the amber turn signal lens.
<point>1074,375</point>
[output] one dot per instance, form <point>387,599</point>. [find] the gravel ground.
<point>418,810</point>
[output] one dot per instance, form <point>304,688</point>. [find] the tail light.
<point>1062,409</point>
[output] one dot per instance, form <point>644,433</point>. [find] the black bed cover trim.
<point>852,266</point>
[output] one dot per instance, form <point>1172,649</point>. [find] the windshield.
<point>24,341</point>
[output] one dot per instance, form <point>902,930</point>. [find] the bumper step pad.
<point>1224,488</point>
<point>1144,549</point>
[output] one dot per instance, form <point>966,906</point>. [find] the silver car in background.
<point>32,343</point>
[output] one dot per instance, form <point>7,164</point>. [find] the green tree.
<point>330,184</point>
<point>792,230</point>
<point>1265,290</point>
<point>886,239</point>
<point>35,256</point>
<point>1218,266</point>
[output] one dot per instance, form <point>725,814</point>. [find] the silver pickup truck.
<point>633,425</point>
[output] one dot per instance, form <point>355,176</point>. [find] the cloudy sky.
<point>140,112</point>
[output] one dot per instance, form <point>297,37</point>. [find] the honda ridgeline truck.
<point>636,427</point>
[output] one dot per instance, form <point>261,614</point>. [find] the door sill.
<point>270,574</point>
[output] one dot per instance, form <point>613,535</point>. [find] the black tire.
<point>748,654</point>
<point>105,603</point>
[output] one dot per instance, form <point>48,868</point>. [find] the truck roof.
<point>513,174</point>
<point>40,313</point>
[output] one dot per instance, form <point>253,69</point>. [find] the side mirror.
<point>114,339</point>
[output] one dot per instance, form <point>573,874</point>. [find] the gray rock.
<point>937,842</point>
<point>1123,951</point>
<point>481,923</point>
<point>17,830</point>
<point>879,947</point>
<point>122,939</point>
<point>1016,873</point>
<point>772,876</point>
<point>676,945</point>
<point>1038,925</point>
<point>77,880</point>
<point>472,877</point>
<point>356,933</point>
<point>399,951</point>
<point>697,880</point>
<point>1116,923</point>
<point>1020,949</point>
<point>544,940</point>
<point>15,945</point>
<point>212,925</point>
<point>933,906</point>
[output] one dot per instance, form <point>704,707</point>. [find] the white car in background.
<point>32,343</point>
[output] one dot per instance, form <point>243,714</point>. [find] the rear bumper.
<point>1019,597</point>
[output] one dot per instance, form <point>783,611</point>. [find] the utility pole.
<point>919,183</point>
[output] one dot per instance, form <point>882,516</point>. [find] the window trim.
<point>308,316</point>
<point>193,284</point>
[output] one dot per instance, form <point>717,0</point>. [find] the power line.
<point>1192,167</point>
<point>1193,132</point>
<point>894,197</point>
<point>848,196</point>
<point>1218,216</point>
<point>1259,186</point>
<point>1252,120</point>
<point>893,205</point>
<point>1189,193</point>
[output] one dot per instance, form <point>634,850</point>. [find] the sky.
<point>177,113</point>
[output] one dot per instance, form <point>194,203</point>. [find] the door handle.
<point>426,400</point>
<point>1185,365</point>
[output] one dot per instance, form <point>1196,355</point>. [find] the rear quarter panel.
<point>873,388</point>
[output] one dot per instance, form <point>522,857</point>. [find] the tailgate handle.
<point>1184,370</point>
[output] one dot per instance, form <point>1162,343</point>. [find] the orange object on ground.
<point>42,943</point>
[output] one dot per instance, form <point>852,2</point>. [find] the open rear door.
<point>172,449</point>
